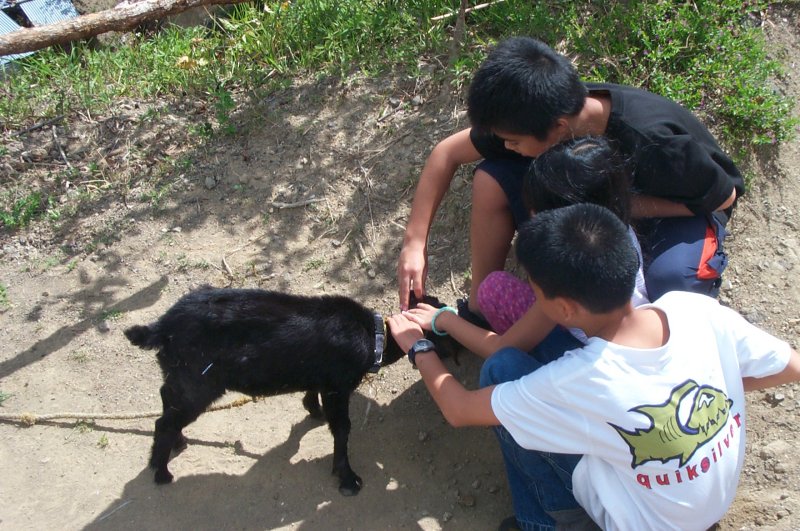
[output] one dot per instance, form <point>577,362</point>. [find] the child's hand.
<point>422,315</point>
<point>405,332</point>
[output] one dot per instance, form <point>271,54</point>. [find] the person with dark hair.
<point>582,170</point>
<point>641,428</point>
<point>526,98</point>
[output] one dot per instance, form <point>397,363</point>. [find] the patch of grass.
<point>708,55</point>
<point>102,443</point>
<point>108,233</point>
<point>110,315</point>
<point>315,263</point>
<point>48,262</point>
<point>22,211</point>
<point>224,105</point>
<point>4,397</point>
<point>83,426</point>
<point>184,263</point>
<point>4,302</point>
<point>79,356</point>
<point>157,195</point>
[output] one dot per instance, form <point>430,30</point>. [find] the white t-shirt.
<point>661,430</point>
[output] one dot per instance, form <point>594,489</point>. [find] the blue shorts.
<point>509,174</point>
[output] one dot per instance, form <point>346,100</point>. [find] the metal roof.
<point>43,12</point>
<point>38,12</point>
<point>7,26</point>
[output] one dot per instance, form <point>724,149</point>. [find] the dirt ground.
<point>159,209</point>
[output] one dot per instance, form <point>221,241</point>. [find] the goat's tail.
<point>143,336</point>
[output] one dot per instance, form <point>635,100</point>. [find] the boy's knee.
<point>662,277</point>
<point>506,365</point>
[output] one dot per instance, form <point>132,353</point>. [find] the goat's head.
<point>446,346</point>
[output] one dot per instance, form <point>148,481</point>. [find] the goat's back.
<point>252,338</point>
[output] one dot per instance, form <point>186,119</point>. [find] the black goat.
<point>265,343</point>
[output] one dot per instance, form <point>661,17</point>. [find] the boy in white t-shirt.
<point>642,428</point>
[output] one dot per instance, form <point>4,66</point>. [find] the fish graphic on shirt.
<point>668,437</point>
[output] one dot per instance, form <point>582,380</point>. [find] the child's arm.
<point>525,334</point>
<point>434,181</point>
<point>648,206</point>
<point>789,374</point>
<point>458,405</point>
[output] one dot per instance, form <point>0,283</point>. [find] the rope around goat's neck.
<point>29,419</point>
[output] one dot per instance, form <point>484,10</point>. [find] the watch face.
<point>422,345</point>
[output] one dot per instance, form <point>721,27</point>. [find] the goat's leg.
<point>336,406</point>
<point>180,410</point>
<point>311,403</point>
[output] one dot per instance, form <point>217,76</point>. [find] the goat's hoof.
<point>350,487</point>
<point>163,477</point>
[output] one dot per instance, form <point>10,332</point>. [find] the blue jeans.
<point>683,254</point>
<point>540,482</point>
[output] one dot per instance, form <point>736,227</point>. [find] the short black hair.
<point>581,252</point>
<point>523,87</point>
<point>582,170</point>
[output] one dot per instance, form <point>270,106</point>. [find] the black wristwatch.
<point>421,345</point>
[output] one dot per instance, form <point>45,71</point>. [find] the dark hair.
<point>523,87</point>
<point>581,252</point>
<point>582,170</point>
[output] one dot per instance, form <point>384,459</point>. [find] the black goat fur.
<point>261,343</point>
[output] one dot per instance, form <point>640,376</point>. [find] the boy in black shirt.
<point>526,98</point>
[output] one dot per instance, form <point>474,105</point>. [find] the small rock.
<point>447,516</point>
<point>727,285</point>
<point>466,500</point>
<point>394,102</point>
<point>211,182</point>
<point>476,484</point>
<point>423,436</point>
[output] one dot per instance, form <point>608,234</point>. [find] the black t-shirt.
<point>672,155</point>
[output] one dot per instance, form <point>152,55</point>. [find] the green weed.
<point>102,443</point>
<point>83,426</point>
<point>22,211</point>
<point>111,315</point>
<point>4,397</point>
<point>315,263</point>
<point>79,356</point>
<point>4,302</point>
<point>157,196</point>
<point>184,263</point>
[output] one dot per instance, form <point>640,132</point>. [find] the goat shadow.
<point>415,467</point>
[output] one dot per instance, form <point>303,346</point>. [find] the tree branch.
<point>123,17</point>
